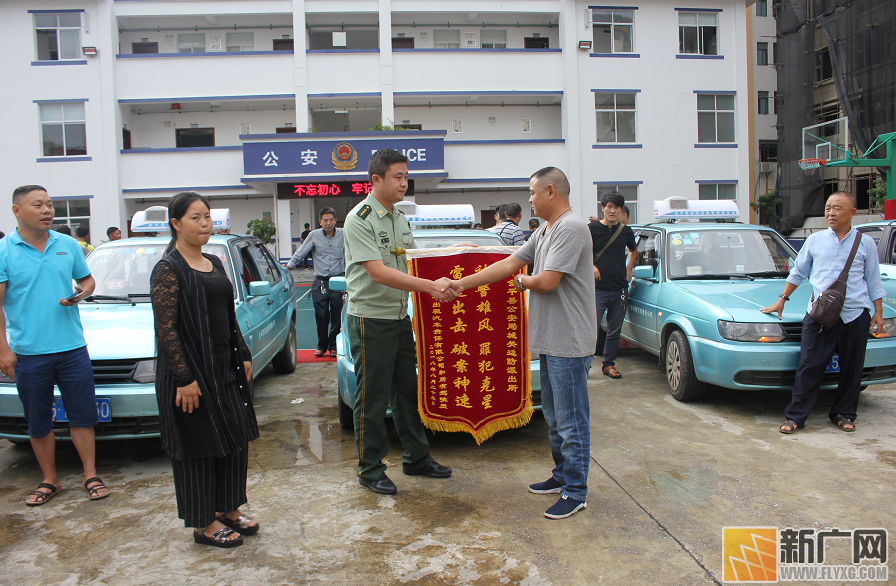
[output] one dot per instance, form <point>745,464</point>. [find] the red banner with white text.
<point>472,353</point>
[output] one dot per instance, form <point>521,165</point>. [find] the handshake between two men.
<point>446,289</point>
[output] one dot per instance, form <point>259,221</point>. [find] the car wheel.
<point>683,383</point>
<point>285,360</point>
<point>346,413</point>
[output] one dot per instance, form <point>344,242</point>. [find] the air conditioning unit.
<point>766,167</point>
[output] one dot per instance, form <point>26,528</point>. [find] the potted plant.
<point>877,195</point>
<point>263,229</point>
<point>765,205</point>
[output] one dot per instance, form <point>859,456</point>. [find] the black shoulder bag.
<point>826,309</point>
<point>612,238</point>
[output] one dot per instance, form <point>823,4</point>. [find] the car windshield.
<point>445,241</point>
<point>123,270</point>
<point>746,253</point>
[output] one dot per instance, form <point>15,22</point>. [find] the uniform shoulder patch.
<point>364,212</point>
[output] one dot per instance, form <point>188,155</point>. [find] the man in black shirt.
<point>611,273</point>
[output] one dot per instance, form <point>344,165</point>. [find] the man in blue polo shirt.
<point>45,339</point>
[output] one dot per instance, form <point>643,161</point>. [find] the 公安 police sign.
<point>347,155</point>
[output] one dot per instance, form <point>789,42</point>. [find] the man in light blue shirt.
<point>46,342</point>
<point>327,249</point>
<point>821,259</point>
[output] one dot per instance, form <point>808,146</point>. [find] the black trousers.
<point>385,369</point>
<point>816,349</point>
<point>327,313</point>
<point>205,486</point>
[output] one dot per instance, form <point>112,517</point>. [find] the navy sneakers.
<point>549,486</point>
<point>565,507</point>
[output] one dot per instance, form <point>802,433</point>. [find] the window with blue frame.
<point>615,117</point>
<point>716,191</point>
<point>715,118</point>
<point>58,36</point>
<point>613,31</point>
<point>63,129</point>
<point>698,33</point>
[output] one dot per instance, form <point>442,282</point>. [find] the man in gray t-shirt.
<point>562,329</point>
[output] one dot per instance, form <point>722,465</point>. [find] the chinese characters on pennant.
<point>472,353</point>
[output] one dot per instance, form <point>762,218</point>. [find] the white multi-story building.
<point>763,81</point>
<point>264,105</point>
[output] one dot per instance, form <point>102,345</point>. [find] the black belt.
<point>328,278</point>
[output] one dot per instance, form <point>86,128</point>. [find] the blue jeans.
<point>613,301</point>
<point>564,402</point>
<point>72,372</point>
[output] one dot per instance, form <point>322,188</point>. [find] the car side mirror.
<point>259,288</point>
<point>337,284</point>
<point>643,272</point>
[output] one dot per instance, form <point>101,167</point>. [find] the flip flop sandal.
<point>789,423</point>
<point>42,496</point>
<point>218,539</point>
<point>241,525</point>
<point>93,491</point>
<point>319,353</point>
<point>842,420</point>
<point>611,372</point>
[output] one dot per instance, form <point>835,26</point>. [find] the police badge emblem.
<point>345,157</point>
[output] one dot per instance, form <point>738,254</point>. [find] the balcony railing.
<point>469,160</point>
<point>170,75</point>
<point>189,167</point>
<point>417,70</point>
<point>339,72</point>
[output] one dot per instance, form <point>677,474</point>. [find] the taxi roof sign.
<point>152,219</point>
<point>681,208</point>
<point>442,215</point>
<point>155,219</point>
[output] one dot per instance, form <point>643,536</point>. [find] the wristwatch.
<point>519,282</point>
<point>784,297</point>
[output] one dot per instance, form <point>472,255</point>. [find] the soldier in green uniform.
<point>379,329</point>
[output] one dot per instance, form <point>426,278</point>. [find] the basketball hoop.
<point>809,166</point>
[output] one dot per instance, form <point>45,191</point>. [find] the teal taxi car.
<point>694,302</point>
<point>884,235</point>
<point>425,238</point>
<point>118,327</point>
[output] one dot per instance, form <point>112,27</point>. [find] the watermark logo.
<point>765,554</point>
<point>751,554</point>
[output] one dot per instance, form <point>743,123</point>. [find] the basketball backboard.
<point>828,141</point>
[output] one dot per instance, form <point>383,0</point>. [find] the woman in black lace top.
<point>206,415</point>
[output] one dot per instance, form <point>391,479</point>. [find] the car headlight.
<point>748,332</point>
<point>145,371</point>
<point>888,330</point>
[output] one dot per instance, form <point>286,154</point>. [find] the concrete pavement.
<point>665,478</point>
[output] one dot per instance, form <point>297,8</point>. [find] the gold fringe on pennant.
<point>486,432</point>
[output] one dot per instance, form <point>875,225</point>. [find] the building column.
<point>114,212</point>
<point>746,100</point>
<point>386,86</point>
<point>284,228</point>
<point>300,85</point>
<point>582,195</point>
<point>300,60</point>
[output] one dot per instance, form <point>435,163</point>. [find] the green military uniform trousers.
<point>385,367</point>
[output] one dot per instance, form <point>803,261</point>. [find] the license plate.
<point>834,365</point>
<point>103,410</point>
